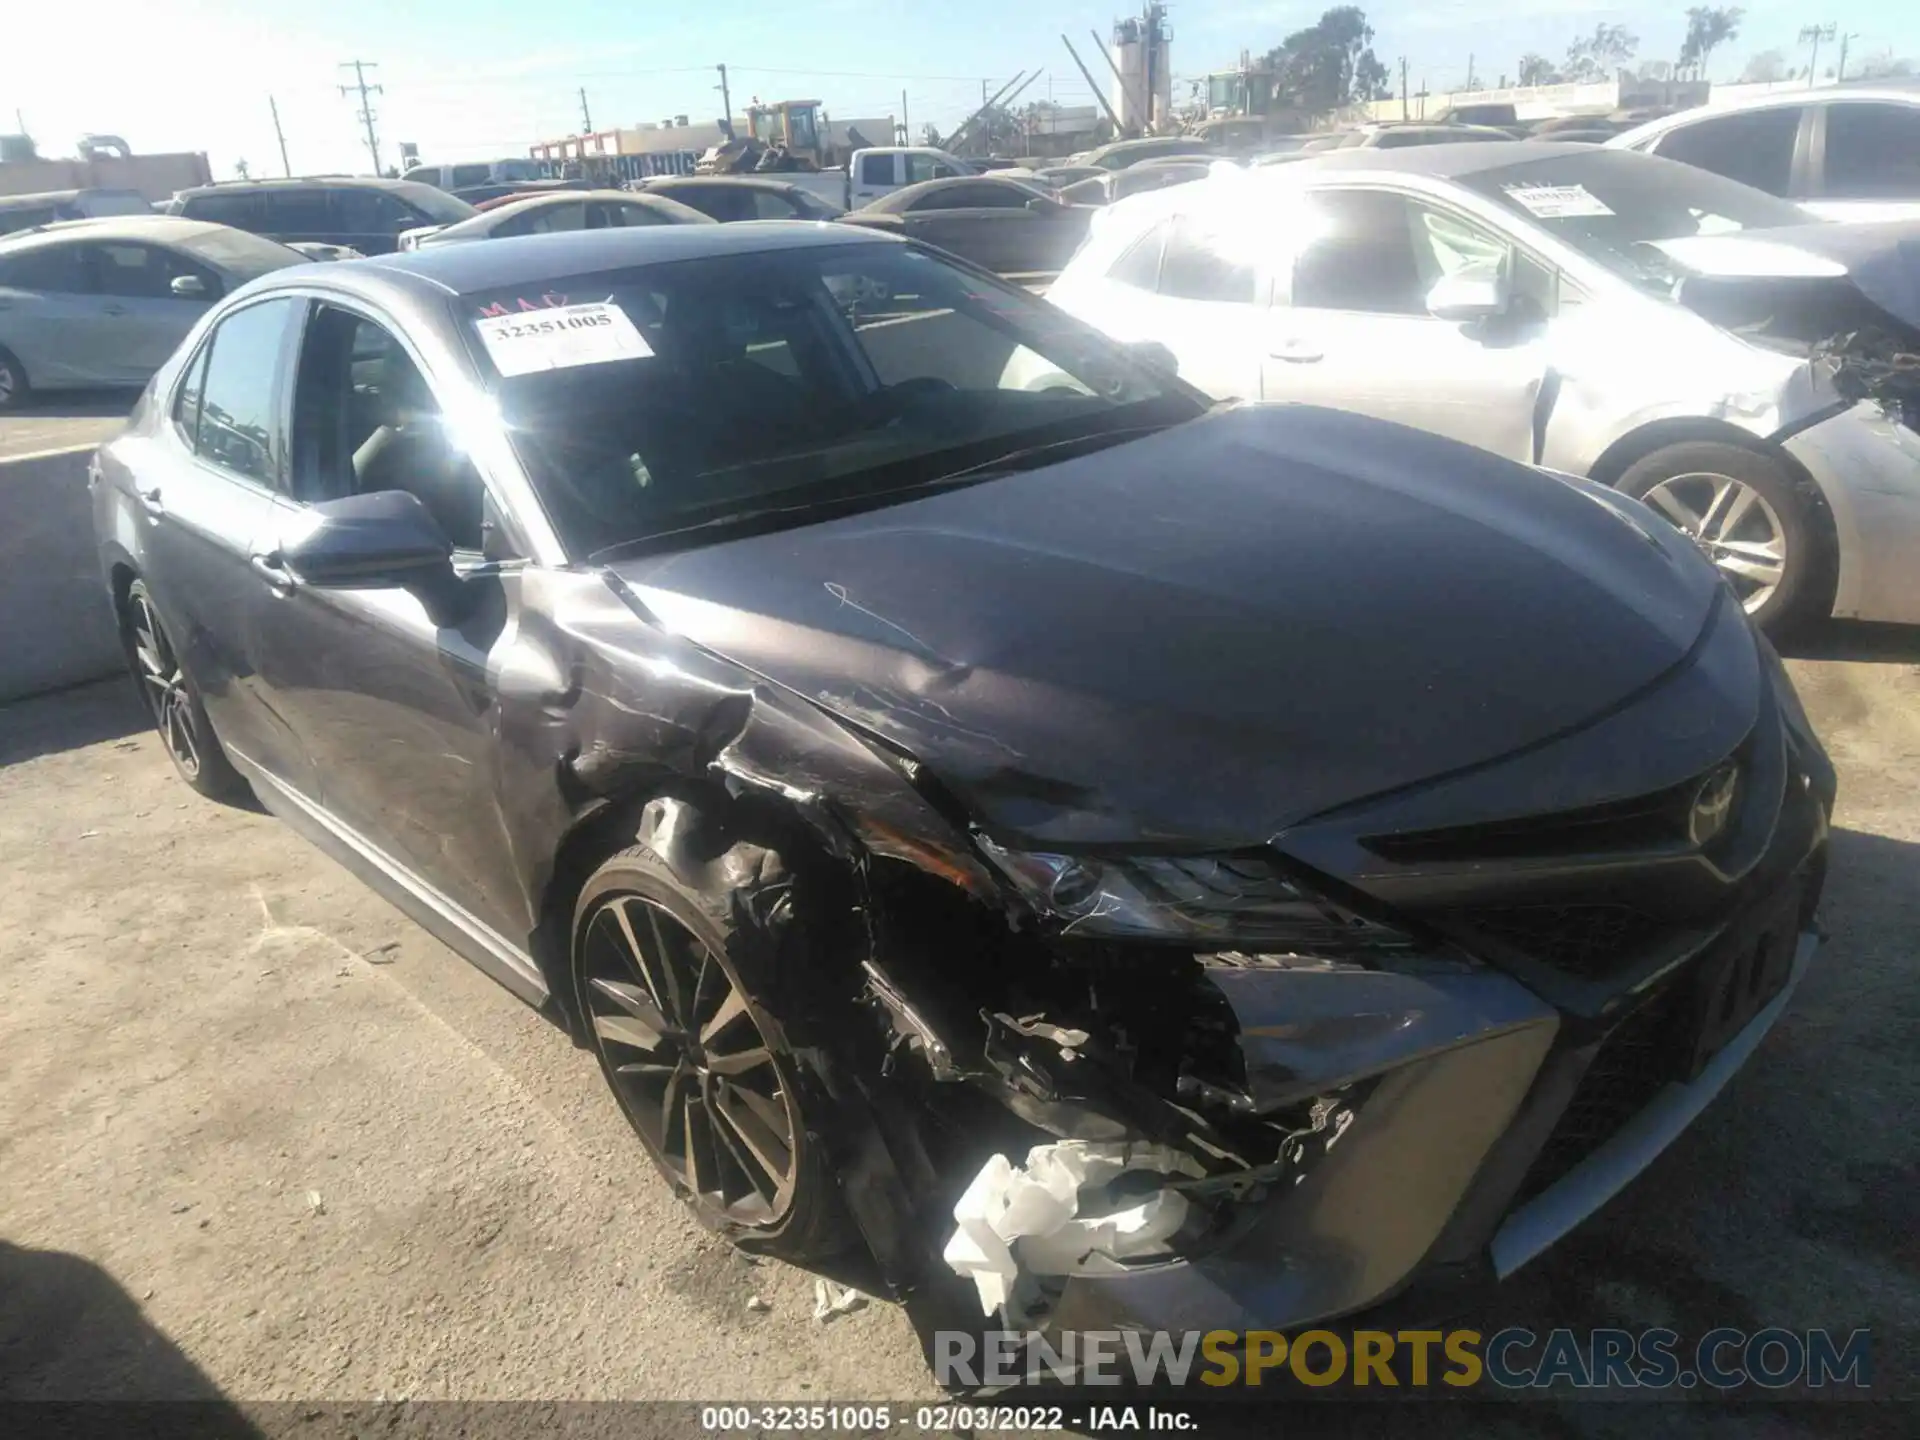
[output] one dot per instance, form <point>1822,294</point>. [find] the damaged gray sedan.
<point>1059,857</point>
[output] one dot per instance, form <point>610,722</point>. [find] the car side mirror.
<point>382,540</point>
<point>1154,355</point>
<point>188,287</point>
<point>1469,295</point>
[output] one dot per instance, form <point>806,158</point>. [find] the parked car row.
<point>896,727</point>
<point>1647,324</point>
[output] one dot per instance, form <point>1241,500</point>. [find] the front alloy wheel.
<point>1757,523</point>
<point>1735,527</point>
<point>689,1062</point>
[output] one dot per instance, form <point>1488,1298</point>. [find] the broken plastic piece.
<point>1057,1216</point>
<point>831,1300</point>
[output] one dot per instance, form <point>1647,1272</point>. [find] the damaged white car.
<point>1750,372</point>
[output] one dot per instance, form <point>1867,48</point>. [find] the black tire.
<point>732,903</point>
<point>13,383</point>
<point>173,700</point>
<point>1804,590</point>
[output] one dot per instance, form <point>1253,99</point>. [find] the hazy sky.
<point>472,78</point>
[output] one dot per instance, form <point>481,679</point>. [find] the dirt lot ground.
<point>264,1138</point>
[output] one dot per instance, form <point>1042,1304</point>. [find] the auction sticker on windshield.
<point>1556,202</point>
<point>560,338</point>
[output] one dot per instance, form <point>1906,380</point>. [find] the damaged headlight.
<point>1194,899</point>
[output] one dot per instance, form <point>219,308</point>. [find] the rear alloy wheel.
<point>701,1070</point>
<point>174,704</point>
<point>13,383</point>
<point>1749,518</point>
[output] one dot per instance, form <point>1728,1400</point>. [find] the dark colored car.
<point>1003,224</point>
<point>730,198</point>
<point>1119,154</point>
<point>1109,186</point>
<point>886,767</point>
<point>364,214</point>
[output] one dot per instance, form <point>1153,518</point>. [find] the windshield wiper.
<point>1014,460</point>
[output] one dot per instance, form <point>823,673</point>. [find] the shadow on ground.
<point>1856,640</point>
<point>70,1332</point>
<point>67,719</point>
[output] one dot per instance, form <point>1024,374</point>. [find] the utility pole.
<point>1813,35</point>
<point>280,135</point>
<point>586,115</point>
<point>1403,89</point>
<point>1840,70</point>
<point>726,104</point>
<point>1469,70</point>
<point>360,87</point>
<point>906,127</point>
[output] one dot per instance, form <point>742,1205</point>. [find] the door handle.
<point>1297,352</point>
<point>113,309</point>
<point>150,501</point>
<point>278,578</point>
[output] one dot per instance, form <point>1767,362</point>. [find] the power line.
<point>360,68</point>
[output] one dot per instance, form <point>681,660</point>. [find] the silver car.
<point>556,212</point>
<point>105,302</point>
<point>1686,339</point>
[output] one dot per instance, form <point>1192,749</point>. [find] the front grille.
<point>1636,1059</point>
<point>1585,941</point>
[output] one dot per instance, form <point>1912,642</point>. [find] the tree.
<point>1600,56</point>
<point>1329,65</point>
<point>1884,66</point>
<point>1768,65</point>
<point>1707,27</point>
<point>1537,70</point>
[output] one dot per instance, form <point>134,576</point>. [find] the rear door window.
<point>1873,151</point>
<point>471,175</point>
<point>239,424</point>
<point>51,270</point>
<point>772,205</point>
<point>243,211</point>
<point>1198,264</point>
<point>546,220</point>
<point>297,212</point>
<point>1755,148</point>
<point>878,170</point>
<point>1139,264</point>
<point>974,197</point>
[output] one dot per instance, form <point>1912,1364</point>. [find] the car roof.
<point>756,182</point>
<point>300,182</point>
<point>900,199</point>
<point>1440,161</point>
<point>1884,92</point>
<point>464,269</point>
<point>156,228</point>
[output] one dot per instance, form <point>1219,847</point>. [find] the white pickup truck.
<point>875,171</point>
<point>883,169</point>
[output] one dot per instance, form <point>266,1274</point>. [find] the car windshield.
<point>517,170</point>
<point>240,253</point>
<point>1613,204</point>
<point>672,403</point>
<point>436,205</point>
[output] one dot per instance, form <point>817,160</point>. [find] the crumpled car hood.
<point>1201,637</point>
